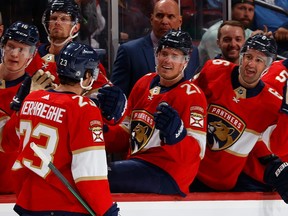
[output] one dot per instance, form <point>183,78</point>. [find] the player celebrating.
<point>277,75</point>
<point>61,21</point>
<point>166,126</point>
<point>51,120</point>
<point>242,110</point>
<point>18,45</point>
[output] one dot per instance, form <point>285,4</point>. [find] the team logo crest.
<point>224,128</point>
<point>97,132</point>
<point>142,126</point>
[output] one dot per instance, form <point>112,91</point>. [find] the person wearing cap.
<point>242,11</point>
<point>245,118</point>
<point>165,124</point>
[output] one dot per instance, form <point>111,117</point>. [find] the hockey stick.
<point>62,178</point>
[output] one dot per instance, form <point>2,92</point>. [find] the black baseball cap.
<point>251,2</point>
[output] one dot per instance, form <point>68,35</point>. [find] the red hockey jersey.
<point>47,62</point>
<point>180,160</point>
<point>236,122</point>
<point>276,76</point>
<point>8,90</point>
<point>68,129</point>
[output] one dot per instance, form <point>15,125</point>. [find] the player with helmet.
<point>164,129</point>
<point>18,45</point>
<point>241,111</point>
<point>67,128</point>
<point>61,21</point>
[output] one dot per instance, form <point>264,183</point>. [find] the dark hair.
<point>230,23</point>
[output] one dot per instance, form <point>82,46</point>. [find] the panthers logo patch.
<point>224,128</point>
<point>142,127</point>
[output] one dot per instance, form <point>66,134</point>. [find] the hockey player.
<point>61,21</point>
<point>277,75</point>
<point>242,110</point>
<point>51,119</point>
<point>166,126</point>
<point>18,45</point>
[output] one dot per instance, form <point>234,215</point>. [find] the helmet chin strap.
<point>89,87</point>
<point>67,39</point>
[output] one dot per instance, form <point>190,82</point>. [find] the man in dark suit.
<point>136,58</point>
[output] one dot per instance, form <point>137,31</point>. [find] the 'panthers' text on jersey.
<point>180,160</point>
<point>237,119</point>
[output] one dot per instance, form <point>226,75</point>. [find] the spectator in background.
<point>242,11</point>
<point>265,16</point>
<point>230,39</point>
<point>275,21</point>
<point>136,58</point>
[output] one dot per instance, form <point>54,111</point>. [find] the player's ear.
<point>76,28</point>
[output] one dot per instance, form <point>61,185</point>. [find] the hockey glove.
<point>42,80</point>
<point>169,123</point>
<point>112,102</point>
<point>276,174</point>
<point>112,211</point>
<point>284,106</point>
<point>22,92</point>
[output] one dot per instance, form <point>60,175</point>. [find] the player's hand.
<point>42,80</point>
<point>276,174</point>
<point>112,211</point>
<point>112,102</point>
<point>21,94</point>
<point>169,123</point>
<point>284,106</point>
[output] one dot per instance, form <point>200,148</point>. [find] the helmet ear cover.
<point>176,39</point>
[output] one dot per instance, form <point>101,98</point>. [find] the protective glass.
<point>22,51</point>
<point>175,57</point>
<point>61,19</point>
